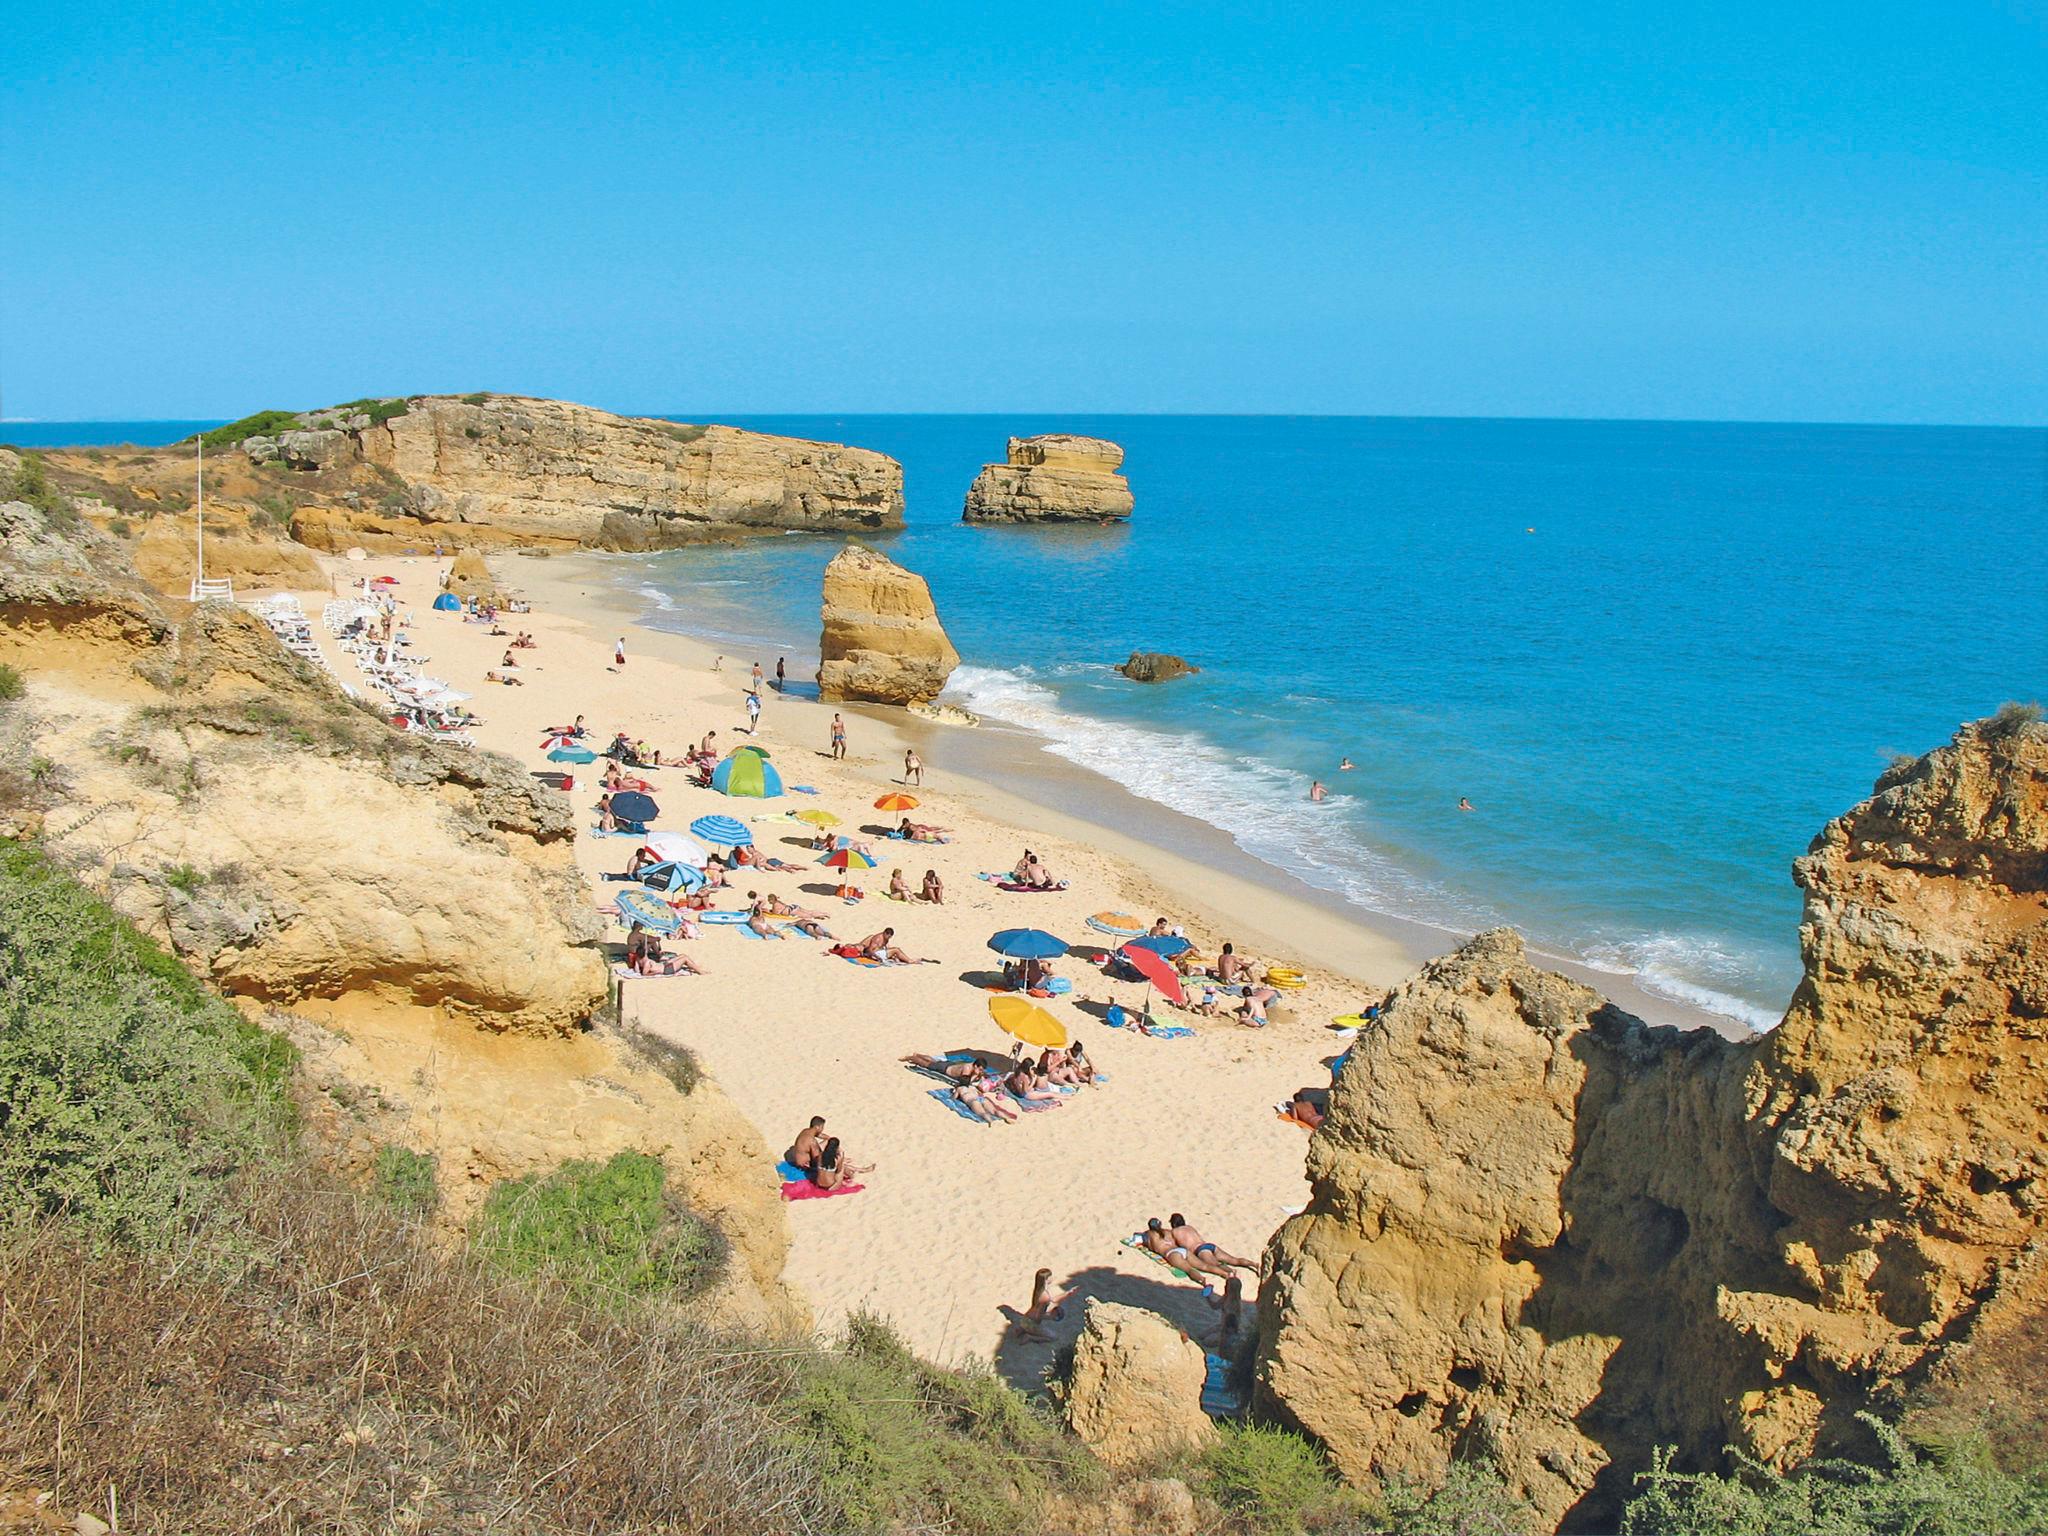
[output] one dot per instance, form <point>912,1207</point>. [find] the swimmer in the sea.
<point>1464,804</point>
<point>1316,792</point>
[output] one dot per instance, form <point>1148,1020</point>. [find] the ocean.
<point>1655,656</point>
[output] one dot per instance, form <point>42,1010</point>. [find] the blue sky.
<point>1739,210</point>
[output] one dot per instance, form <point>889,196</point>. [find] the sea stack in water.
<point>1156,667</point>
<point>1055,478</point>
<point>883,643</point>
<point>1542,1230</point>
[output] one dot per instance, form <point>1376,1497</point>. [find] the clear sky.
<point>1745,209</point>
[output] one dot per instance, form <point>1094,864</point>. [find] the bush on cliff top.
<point>261,424</point>
<point>129,1094</point>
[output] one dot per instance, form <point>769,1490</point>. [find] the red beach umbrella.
<point>1156,971</point>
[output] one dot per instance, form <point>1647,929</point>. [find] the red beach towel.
<point>804,1189</point>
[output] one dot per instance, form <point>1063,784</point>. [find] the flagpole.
<point>199,477</point>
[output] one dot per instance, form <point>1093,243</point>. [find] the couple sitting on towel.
<point>644,955</point>
<point>879,946</point>
<point>1034,874</point>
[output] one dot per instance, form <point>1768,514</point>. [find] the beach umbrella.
<point>383,581</point>
<point>631,805</point>
<point>1027,944</point>
<point>1118,925</point>
<point>1165,946</point>
<point>1026,1021</point>
<point>571,755</point>
<point>722,829</point>
<point>675,846</point>
<point>1155,970</point>
<point>448,602</point>
<point>816,818</point>
<point>848,858</point>
<point>747,775</point>
<point>648,910</point>
<point>896,802</point>
<point>671,875</point>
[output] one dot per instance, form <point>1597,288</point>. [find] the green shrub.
<point>1272,1480</point>
<point>479,398</point>
<point>31,484</point>
<point>900,1442</point>
<point>378,409</point>
<point>12,684</point>
<point>603,1230</point>
<point>262,424</point>
<point>1472,1502</point>
<point>184,877</point>
<point>680,431</point>
<point>406,1180</point>
<point>277,507</point>
<point>129,1094</point>
<point>1956,1491</point>
<point>2013,717</point>
<point>472,432</point>
<point>119,527</point>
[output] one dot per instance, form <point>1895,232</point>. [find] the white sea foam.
<point>1263,808</point>
<point>1684,968</point>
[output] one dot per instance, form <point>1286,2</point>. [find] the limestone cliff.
<point>882,641</point>
<point>1547,1234</point>
<point>410,912</point>
<point>1053,478</point>
<point>502,469</point>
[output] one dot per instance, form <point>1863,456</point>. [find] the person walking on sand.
<point>619,655</point>
<point>754,712</point>
<point>757,677</point>
<point>838,738</point>
<point>718,663</point>
<point>781,673</point>
<point>913,768</point>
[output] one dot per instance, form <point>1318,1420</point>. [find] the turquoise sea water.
<point>1655,656</point>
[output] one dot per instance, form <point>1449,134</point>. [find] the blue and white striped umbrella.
<point>724,830</point>
<point>648,910</point>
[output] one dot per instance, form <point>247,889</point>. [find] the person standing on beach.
<point>838,738</point>
<point>913,768</point>
<point>753,711</point>
<point>718,663</point>
<point>619,655</point>
<point>781,673</point>
<point>757,677</point>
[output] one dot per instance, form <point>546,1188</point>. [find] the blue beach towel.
<point>945,1097</point>
<point>788,1172</point>
<point>739,918</point>
<point>803,789</point>
<point>1221,1398</point>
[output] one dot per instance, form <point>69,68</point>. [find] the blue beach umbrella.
<point>631,805</point>
<point>1027,944</point>
<point>1166,946</point>
<point>648,910</point>
<point>571,755</point>
<point>727,830</point>
<point>669,875</point>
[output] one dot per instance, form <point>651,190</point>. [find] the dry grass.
<point>348,1378</point>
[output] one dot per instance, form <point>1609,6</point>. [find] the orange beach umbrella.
<point>1024,1019</point>
<point>896,802</point>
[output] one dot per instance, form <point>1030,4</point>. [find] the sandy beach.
<point>956,1216</point>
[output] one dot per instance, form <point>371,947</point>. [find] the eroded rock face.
<point>882,641</point>
<point>1053,478</point>
<point>1548,1234</point>
<point>509,470</point>
<point>469,575</point>
<point>1135,1392</point>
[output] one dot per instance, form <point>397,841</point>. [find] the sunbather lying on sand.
<point>883,946</point>
<point>1197,1256</point>
<point>509,682</point>
<point>1027,1082</point>
<point>1201,1247</point>
<point>1307,1106</point>
<point>973,1093</point>
<point>923,832</point>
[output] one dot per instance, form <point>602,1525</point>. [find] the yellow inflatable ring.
<point>1285,979</point>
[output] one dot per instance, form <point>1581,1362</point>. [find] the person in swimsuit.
<point>803,1152</point>
<point>1045,1304</point>
<point>1027,1083</point>
<point>1228,966</point>
<point>972,1093</point>
<point>882,946</point>
<point>838,737</point>
<point>1200,1247</point>
<point>1346,766</point>
<point>1316,792</point>
<point>833,1168</point>
<point>899,884</point>
<point>913,768</point>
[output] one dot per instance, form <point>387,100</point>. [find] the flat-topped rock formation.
<point>1543,1233</point>
<point>1053,478</point>
<point>502,469</point>
<point>882,642</point>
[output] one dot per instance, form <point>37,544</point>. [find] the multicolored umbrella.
<point>671,875</point>
<point>724,830</point>
<point>1155,970</point>
<point>848,858</point>
<point>747,774</point>
<point>648,910</point>
<point>1026,1021</point>
<point>896,802</point>
<point>1118,925</point>
<point>1026,944</point>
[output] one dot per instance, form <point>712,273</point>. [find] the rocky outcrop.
<point>882,641</point>
<point>166,558</point>
<point>1134,1394</point>
<point>469,575</point>
<point>1054,478</point>
<point>1544,1233</point>
<point>505,470</point>
<point>1156,667</point>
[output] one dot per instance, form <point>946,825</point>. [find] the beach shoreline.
<point>1018,783</point>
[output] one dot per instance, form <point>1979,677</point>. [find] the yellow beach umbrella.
<point>1027,1021</point>
<point>896,802</point>
<point>816,818</point>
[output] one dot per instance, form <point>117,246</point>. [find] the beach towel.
<point>1286,1112</point>
<point>804,1189</point>
<point>625,829</point>
<point>1030,890</point>
<point>1139,1248</point>
<point>627,973</point>
<point>945,1097</point>
<point>861,959</point>
<point>803,789</point>
<point>1031,1106</point>
<point>788,1171</point>
<point>1222,1398</point>
<point>737,919</point>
